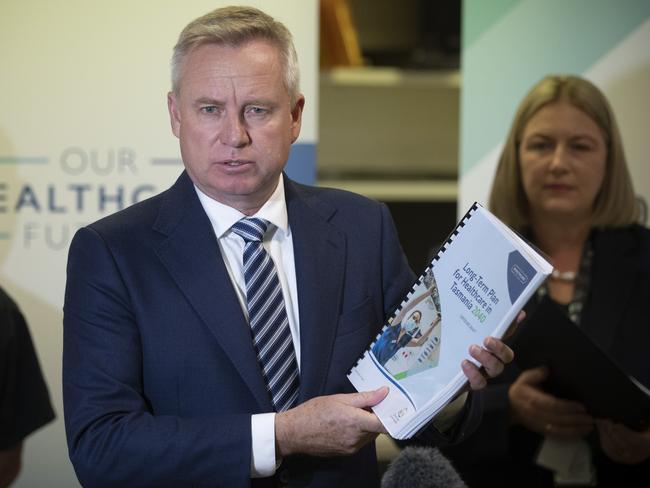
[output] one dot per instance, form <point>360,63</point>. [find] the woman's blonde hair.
<point>616,204</point>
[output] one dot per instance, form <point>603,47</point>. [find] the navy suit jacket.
<point>160,378</point>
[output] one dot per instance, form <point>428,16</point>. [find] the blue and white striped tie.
<point>268,317</point>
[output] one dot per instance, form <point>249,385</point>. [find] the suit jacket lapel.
<point>319,252</point>
<point>613,275</point>
<point>192,257</point>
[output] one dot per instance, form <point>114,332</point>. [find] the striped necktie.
<point>268,317</point>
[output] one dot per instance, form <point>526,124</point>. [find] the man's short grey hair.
<point>235,26</point>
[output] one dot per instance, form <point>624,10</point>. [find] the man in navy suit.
<point>162,386</point>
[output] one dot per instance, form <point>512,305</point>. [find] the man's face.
<point>235,122</point>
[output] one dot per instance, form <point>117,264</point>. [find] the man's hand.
<point>493,357</point>
<point>543,413</point>
<point>334,425</point>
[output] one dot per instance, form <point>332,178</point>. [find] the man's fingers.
<point>504,353</point>
<point>474,376</point>
<point>365,399</point>
<point>330,425</point>
<point>513,327</point>
<point>493,357</point>
<point>491,365</point>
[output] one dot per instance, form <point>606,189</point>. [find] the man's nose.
<point>233,131</point>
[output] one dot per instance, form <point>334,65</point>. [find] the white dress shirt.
<point>279,244</point>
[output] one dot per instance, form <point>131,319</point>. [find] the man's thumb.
<point>365,399</point>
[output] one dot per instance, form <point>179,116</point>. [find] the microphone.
<point>421,467</point>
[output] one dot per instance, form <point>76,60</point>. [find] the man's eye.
<point>256,110</point>
<point>210,109</point>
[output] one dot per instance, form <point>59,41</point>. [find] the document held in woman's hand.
<point>473,288</point>
<point>595,379</point>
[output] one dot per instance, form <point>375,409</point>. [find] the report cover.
<point>473,288</point>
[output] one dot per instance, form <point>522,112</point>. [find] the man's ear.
<point>174,113</point>
<point>296,118</point>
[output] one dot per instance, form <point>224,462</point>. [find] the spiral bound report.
<point>473,287</point>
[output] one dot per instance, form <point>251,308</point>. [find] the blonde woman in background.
<point>562,180</point>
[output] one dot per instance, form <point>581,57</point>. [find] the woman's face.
<point>563,155</point>
<point>416,316</point>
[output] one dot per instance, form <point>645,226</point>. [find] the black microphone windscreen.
<point>421,467</point>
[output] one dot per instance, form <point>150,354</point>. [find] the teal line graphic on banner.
<point>24,160</point>
<point>166,161</point>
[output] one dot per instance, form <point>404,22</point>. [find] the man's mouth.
<point>235,162</point>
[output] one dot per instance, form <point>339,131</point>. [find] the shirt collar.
<point>223,217</point>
